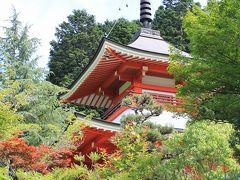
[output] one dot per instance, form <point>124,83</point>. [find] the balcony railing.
<point>160,98</point>
<point>166,99</point>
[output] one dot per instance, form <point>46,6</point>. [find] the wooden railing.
<point>160,98</point>
<point>166,99</point>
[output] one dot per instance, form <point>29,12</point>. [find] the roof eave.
<point>99,123</point>
<point>101,48</point>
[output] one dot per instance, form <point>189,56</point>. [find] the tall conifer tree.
<point>17,52</point>
<point>27,101</point>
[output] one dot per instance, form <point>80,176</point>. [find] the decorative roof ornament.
<point>145,13</point>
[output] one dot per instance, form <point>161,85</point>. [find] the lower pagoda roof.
<point>100,124</point>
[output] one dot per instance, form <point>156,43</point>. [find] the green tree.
<point>168,19</point>
<point>17,52</point>
<point>18,64</point>
<point>10,121</point>
<point>138,144</point>
<point>201,151</point>
<point>27,100</point>
<point>144,107</point>
<point>211,76</point>
<point>76,42</point>
<point>46,118</point>
<point>123,30</point>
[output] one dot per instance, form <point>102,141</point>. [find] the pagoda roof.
<point>148,49</point>
<point>150,40</point>
<point>100,124</point>
<point>104,64</point>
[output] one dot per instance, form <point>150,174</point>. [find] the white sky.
<point>46,15</point>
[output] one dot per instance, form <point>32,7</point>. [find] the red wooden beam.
<point>104,91</point>
<point>121,74</point>
<point>124,77</point>
<point>129,65</point>
<point>109,50</point>
<point>110,80</point>
<point>157,88</point>
<point>158,69</point>
<point>140,74</point>
<point>116,113</point>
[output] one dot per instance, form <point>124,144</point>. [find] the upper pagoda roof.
<point>150,40</point>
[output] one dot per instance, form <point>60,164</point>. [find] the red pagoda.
<point>117,71</point>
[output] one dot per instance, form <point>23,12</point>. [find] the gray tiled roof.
<point>150,40</point>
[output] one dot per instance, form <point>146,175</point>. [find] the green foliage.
<point>45,111</point>
<point>168,19</point>
<point>10,121</point>
<point>74,128</point>
<point>136,155</point>
<point>76,172</point>
<point>203,150</point>
<point>91,112</point>
<point>164,130</point>
<point>94,156</point>
<point>143,168</point>
<point>144,107</point>
<point>76,42</point>
<point>3,173</point>
<point>79,158</point>
<point>17,52</point>
<point>122,32</point>
<point>139,145</point>
<point>27,102</point>
<point>211,76</point>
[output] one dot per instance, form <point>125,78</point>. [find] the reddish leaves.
<point>26,157</point>
<point>22,155</point>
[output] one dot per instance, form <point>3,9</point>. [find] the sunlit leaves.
<point>203,148</point>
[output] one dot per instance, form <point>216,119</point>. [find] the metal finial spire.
<point>145,13</point>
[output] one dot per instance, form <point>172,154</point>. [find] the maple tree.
<point>22,155</point>
<point>31,158</point>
